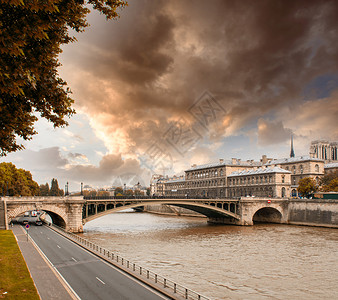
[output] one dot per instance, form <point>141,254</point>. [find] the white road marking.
<point>48,238</point>
<point>100,280</point>
<point>58,246</point>
<point>74,259</point>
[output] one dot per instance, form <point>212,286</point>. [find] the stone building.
<point>300,167</point>
<point>324,150</point>
<point>330,168</point>
<point>272,182</point>
<point>175,187</point>
<point>157,185</point>
<point>209,180</point>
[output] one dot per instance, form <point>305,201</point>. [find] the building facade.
<point>331,168</point>
<point>324,150</point>
<point>216,180</point>
<point>272,182</point>
<point>300,167</point>
<point>210,180</point>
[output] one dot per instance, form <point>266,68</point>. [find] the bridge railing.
<point>155,280</point>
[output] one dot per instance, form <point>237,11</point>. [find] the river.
<point>264,261</point>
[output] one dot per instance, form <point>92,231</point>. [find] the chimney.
<point>233,161</point>
<point>221,160</point>
<point>264,159</point>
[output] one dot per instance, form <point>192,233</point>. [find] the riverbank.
<point>16,282</point>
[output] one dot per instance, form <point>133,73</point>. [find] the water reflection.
<point>259,262</point>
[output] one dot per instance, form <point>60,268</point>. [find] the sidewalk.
<point>47,282</point>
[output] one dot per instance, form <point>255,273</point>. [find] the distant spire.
<point>292,153</point>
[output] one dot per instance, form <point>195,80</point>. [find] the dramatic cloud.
<point>270,68</point>
<point>49,163</point>
<point>272,132</point>
<point>136,75</point>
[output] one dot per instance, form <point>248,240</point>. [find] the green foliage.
<point>118,190</point>
<point>102,193</point>
<point>31,35</point>
<point>307,186</point>
<point>329,182</point>
<point>148,191</point>
<point>44,189</point>
<point>16,182</point>
<point>16,282</point>
<point>54,188</point>
<point>129,193</point>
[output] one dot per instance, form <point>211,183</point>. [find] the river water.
<point>265,261</point>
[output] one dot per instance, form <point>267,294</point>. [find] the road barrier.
<point>158,282</point>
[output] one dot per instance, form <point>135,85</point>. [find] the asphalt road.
<point>90,277</point>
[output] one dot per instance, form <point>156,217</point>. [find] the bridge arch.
<point>57,215</point>
<point>211,210</point>
<point>267,215</point>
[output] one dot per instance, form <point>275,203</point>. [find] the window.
<point>294,169</point>
<point>301,169</point>
<point>316,168</point>
<point>283,179</point>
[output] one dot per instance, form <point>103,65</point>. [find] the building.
<point>300,167</point>
<point>210,180</point>
<point>175,187</point>
<point>157,185</point>
<point>330,168</point>
<point>272,182</point>
<point>324,150</point>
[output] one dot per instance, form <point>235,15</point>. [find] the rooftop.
<point>292,160</point>
<point>235,162</point>
<point>331,165</point>
<point>259,171</point>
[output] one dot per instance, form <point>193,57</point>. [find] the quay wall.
<point>313,212</point>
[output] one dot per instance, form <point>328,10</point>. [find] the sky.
<point>175,83</point>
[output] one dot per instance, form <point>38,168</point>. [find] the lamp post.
<point>66,188</point>
<point>81,188</point>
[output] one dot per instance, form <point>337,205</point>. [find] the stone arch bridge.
<point>73,212</point>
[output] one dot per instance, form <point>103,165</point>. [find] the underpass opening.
<point>267,215</point>
<point>56,219</point>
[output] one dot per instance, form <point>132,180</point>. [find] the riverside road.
<point>88,276</point>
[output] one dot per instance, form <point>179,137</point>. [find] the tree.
<point>307,186</point>
<point>129,193</point>
<point>54,188</point>
<point>16,182</point>
<point>329,182</point>
<point>44,189</point>
<point>32,34</point>
<point>118,190</point>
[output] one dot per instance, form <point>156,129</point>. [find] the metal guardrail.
<point>163,284</point>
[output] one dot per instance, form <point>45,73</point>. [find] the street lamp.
<point>67,190</point>
<point>81,188</point>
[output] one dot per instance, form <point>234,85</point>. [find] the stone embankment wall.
<point>313,212</point>
<point>3,218</point>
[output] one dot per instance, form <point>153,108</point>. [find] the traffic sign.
<point>27,226</point>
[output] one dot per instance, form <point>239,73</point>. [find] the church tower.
<point>292,152</point>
